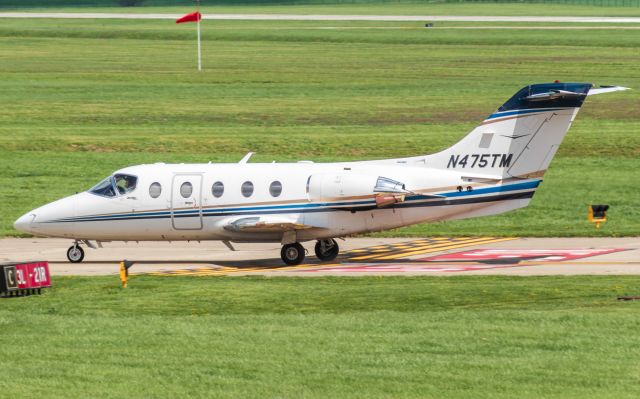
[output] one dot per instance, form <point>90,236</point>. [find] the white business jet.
<point>494,169</point>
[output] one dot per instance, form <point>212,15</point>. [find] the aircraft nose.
<point>24,222</point>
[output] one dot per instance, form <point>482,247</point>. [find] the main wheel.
<point>292,254</point>
<point>75,254</point>
<point>327,249</point>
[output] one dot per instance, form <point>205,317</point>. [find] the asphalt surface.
<point>359,256</point>
<point>303,17</point>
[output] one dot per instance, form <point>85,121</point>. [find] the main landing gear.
<point>75,253</point>
<point>327,250</point>
<point>293,254</point>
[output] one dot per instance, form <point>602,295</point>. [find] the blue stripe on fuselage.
<point>310,207</point>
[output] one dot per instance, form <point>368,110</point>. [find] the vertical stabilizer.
<point>521,137</point>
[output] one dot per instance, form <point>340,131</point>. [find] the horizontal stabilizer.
<point>552,95</point>
<point>606,89</point>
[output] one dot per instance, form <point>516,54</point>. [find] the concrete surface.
<point>359,256</point>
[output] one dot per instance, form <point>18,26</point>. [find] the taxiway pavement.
<point>359,256</point>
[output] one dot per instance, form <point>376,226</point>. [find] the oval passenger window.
<point>217,189</point>
<point>155,189</point>
<point>275,189</point>
<point>247,189</point>
<point>186,189</point>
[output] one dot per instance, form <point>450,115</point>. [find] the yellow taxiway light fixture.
<point>598,214</point>
<point>124,272</point>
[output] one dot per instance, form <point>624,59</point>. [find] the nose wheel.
<point>75,253</point>
<point>292,254</point>
<point>327,250</point>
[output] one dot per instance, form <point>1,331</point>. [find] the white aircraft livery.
<point>494,169</point>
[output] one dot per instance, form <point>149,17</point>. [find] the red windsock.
<point>193,17</point>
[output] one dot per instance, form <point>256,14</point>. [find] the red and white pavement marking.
<point>473,260</point>
<point>538,255</point>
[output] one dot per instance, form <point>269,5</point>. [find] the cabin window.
<point>217,189</point>
<point>275,189</point>
<point>247,189</point>
<point>104,188</point>
<point>155,189</point>
<point>186,189</point>
<point>125,183</point>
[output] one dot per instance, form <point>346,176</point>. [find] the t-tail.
<point>520,139</point>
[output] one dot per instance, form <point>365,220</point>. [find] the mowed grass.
<point>394,7</point>
<point>418,337</point>
<point>82,98</point>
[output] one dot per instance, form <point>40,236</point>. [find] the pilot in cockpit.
<point>125,183</point>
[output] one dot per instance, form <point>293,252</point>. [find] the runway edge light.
<point>598,214</point>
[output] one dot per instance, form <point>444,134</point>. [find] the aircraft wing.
<point>264,224</point>
<point>606,89</point>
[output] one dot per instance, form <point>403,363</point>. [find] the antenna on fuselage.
<point>245,159</point>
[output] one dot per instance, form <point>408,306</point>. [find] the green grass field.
<point>391,337</point>
<point>372,7</point>
<point>82,98</point>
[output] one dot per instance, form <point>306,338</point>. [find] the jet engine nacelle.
<point>330,186</point>
<point>348,186</point>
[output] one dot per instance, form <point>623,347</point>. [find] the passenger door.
<point>186,201</point>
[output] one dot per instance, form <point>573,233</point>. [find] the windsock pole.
<point>198,22</point>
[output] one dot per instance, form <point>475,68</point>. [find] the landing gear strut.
<point>327,250</point>
<point>75,253</point>
<point>292,254</point>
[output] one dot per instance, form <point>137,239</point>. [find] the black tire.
<point>75,254</point>
<point>328,251</point>
<point>292,254</point>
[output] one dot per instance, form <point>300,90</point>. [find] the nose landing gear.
<point>75,253</point>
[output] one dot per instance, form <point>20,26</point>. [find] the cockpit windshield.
<point>118,184</point>
<point>104,188</point>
